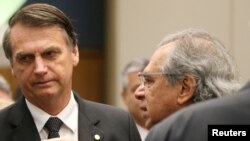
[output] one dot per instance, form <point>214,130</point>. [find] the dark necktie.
<point>53,126</point>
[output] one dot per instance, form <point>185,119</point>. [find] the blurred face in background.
<point>133,104</point>
<point>5,95</point>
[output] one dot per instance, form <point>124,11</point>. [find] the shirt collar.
<point>67,115</point>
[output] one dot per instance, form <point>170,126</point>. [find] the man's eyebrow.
<point>20,54</point>
<point>53,48</point>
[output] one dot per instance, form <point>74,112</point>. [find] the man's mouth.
<point>143,108</point>
<point>45,83</point>
<point>144,111</point>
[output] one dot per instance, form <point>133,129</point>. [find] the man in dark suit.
<point>42,48</point>
<point>191,124</point>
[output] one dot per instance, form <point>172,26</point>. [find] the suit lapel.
<point>22,122</point>
<point>88,131</point>
<point>87,127</point>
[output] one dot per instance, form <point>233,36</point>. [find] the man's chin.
<point>145,115</point>
<point>148,123</point>
<point>46,94</point>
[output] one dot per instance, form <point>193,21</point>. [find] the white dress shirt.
<point>142,131</point>
<point>69,117</point>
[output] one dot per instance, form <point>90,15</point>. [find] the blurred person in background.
<point>130,82</point>
<point>5,93</point>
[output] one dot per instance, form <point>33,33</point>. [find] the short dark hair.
<point>39,14</point>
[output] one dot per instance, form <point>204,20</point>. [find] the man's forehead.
<point>152,66</point>
<point>159,56</point>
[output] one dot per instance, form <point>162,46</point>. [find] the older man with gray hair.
<point>189,66</point>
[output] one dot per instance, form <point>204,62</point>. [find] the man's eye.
<point>148,81</point>
<point>50,54</point>
<point>25,58</point>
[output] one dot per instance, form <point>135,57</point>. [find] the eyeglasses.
<point>148,82</point>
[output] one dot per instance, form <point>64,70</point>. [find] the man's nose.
<point>140,93</point>
<point>40,66</point>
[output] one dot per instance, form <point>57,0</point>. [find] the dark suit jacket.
<point>191,123</point>
<point>110,123</point>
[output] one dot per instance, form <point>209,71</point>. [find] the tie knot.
<point>53,126</point>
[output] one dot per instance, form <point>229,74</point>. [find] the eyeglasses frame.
<point>142,75</point>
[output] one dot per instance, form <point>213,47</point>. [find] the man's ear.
<point>124,96</point>
<point>75,55</point>
<point>187,91</point>
<point>12,70</point>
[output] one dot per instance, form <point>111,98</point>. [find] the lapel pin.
<point>97,137</point>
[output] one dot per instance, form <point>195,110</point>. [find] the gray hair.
<point>203,56</point>
<point>133,66</point>
<point>4,85</point>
